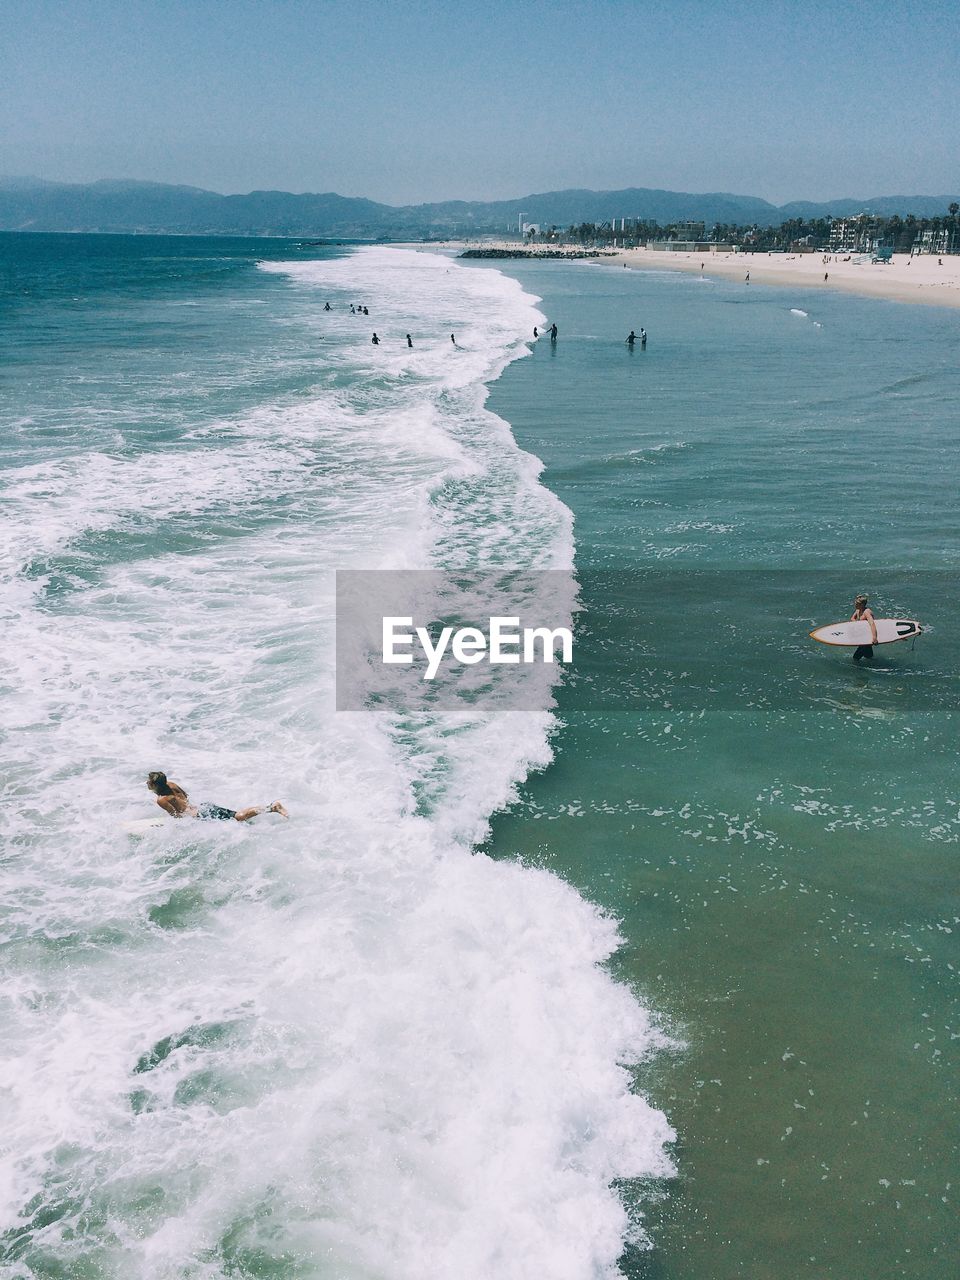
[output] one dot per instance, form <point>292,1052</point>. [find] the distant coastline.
<point>155,208</point>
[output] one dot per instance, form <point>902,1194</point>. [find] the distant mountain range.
<point>31,204</point>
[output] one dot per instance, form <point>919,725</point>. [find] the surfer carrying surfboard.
<point>863,613</point>
<point>172,799</point>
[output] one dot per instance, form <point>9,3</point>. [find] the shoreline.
<point>915,280</point>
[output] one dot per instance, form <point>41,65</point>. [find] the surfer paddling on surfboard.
<point>173,799</point>
<point>863,613</point>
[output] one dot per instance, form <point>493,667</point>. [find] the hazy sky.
<point>421,100</point>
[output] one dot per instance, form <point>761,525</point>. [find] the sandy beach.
<point>925,278</point>
<point>905,279</point>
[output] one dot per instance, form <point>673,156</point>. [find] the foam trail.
<point>342,1045</point>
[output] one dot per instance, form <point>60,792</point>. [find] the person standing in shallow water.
<point>409,341</point>
<point>863,613</point>
<point>631,339</point>
<point>375,340</point>
<point>553,333</point>
<point>173,800</point>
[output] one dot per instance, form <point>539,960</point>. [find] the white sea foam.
<point>342,1045</point>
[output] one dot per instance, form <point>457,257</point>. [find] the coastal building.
<point>689,231</point>
<point>854,235</point>
<point>691,246</point>
<point>933,240</point>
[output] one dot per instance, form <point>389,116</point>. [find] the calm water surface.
<point>780,843</point>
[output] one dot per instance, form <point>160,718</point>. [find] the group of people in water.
<point>551,332</point>
<point>358,309</point>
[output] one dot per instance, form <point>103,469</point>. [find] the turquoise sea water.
<point>346,1046</point>
<point>780,843</point>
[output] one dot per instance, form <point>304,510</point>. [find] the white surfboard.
<point>889,631</point>
<point>140,826</point>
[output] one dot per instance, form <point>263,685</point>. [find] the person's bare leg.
<point>244,815</point>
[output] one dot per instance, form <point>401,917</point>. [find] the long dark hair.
<point>158,782</point>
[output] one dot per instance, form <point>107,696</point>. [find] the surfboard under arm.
<point>851,634</point>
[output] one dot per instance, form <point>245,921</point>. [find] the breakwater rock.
<point>531,253</point>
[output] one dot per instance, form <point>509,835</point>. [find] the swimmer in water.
<point>375,340</point>
<point>553,333</point>
<point>174,800</point>
<point>409,341</point>
<point>453,338</point>
<point>863,613</point>
<point>631,339</point>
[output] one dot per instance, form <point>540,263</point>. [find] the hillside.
<point>29,204</point>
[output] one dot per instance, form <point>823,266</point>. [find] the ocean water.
<point>342,1045</point>
<point>697,991</point>
<point>776,829</point>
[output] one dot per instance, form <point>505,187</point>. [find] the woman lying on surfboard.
<point>863,613</point>
<point>173,799</point>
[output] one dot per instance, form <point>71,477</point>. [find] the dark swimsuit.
<point>215,812</point>
<point>863,650</point>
